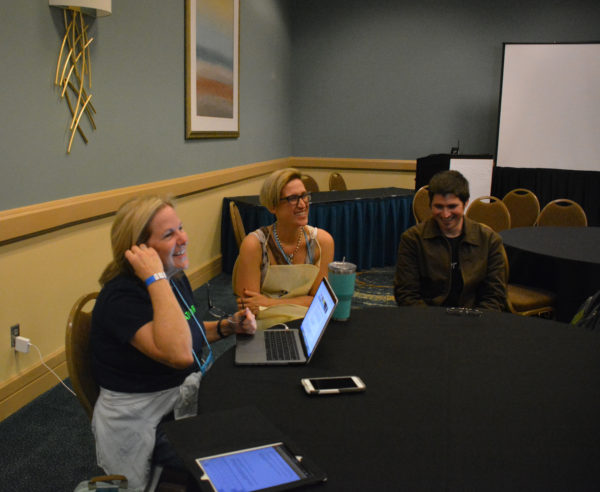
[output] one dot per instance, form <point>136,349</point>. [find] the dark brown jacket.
<point>423,270</point>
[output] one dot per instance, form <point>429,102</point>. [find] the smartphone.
<point>332,385</point>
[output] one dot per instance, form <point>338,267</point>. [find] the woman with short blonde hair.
<point>270,191</point>
<point>280,266</point>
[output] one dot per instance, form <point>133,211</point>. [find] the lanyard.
<point>285,256</point>
<point>205,364</point>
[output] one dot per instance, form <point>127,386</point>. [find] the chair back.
<point>336,182</point>
<point>78,354</point>
<point>527,301</point>
<point>236,221</point>
<point>420,205</point>
<point>309,183</point>
<point>524,207</point>
<point>563,213</point>
<point>490,211</point>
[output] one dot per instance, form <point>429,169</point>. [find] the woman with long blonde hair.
<point>149,349</point>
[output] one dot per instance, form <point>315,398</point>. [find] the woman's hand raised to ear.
<point>144,260</point>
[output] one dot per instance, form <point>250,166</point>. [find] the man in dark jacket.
<point>450,260</point>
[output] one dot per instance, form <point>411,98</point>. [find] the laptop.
<point>290,346</point>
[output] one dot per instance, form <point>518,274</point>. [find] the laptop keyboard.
<point>281,345</point>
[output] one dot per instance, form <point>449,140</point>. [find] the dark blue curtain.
<point>366,232</point>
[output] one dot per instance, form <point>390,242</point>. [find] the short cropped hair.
<point>131,226</point>
<point>449,182</point>
<point>270,193</point>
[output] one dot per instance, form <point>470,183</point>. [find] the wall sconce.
<point>74,70</point>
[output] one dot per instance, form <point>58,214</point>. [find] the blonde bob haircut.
<point>131,226</point>
<point>270,193</point>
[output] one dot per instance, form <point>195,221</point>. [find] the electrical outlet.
<point>15,331</point>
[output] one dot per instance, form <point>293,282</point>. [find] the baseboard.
<point>33,382</point>
<point>26,387</point>
<point>204,273</point>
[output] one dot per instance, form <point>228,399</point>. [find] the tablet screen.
<point>252,469</point>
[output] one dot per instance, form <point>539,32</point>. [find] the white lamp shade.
<point>96,8</point>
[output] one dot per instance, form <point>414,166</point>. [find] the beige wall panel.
<point>360,179</point>
<point>42,276</point>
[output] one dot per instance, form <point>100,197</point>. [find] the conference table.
<point>453,402</point>
<point>565,260</point>
<point>366,224</point>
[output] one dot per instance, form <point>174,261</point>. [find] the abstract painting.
<point>212,68</point>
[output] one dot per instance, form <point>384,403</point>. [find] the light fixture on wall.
<point>74,66</point>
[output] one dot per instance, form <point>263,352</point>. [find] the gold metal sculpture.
<point>74,66</point>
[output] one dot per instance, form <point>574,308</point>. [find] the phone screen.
<point>332,383</point>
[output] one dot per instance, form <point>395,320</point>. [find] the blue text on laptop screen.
<point>315,318</point>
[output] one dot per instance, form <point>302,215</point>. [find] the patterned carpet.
<point>374,287</point>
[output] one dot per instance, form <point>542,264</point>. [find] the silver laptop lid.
<point>317,317</point>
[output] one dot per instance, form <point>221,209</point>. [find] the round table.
<point>495,402</point>
<point>565,260</point>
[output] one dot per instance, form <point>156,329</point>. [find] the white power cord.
<point>26,340</point>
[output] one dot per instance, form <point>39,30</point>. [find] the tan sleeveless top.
<point>286,281</point>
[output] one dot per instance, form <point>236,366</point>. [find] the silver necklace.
<point>288,258</point>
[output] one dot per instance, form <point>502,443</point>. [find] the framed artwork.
<point>212,61</point>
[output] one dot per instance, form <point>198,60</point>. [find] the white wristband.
<point>153,278</point>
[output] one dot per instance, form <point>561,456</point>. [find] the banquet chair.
<point>336,182</point>
<point>236,221</point>
<point>309,183</point>
<point>490,211</point>
<point>563,213</point>
<point>420,206</point>
<point>79,365</point>
<point>528,301</point>
<point>524,207</point>
<point>78,355</point>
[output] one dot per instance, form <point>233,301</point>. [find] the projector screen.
<point>550,107</point>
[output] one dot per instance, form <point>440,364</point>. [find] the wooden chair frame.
<point>337,182</point>
<point>78,354</point>
<point>524,207</point>
<point>236,221</point>
<point>309,183</point>
<point>421,207</point>
<point>492,212</point>
<point>562,212</point>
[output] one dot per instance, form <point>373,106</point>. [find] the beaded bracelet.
<point>219,328</point>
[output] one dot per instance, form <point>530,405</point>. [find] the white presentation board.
<point>550,107</point>
<point>478,173</point>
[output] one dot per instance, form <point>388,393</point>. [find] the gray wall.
<point>403,79</point>
<point>138,91</point>
<point>342,78</point>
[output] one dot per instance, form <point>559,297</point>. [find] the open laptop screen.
<point>317,316</point>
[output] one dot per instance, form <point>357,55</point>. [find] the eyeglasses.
<point>462,311</point>
<point>293,199</point>
<point>217,312</point>
<point>213,310</point>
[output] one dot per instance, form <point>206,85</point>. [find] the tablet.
<point>269,467</point>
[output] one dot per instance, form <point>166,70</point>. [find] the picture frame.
<point>212,68</point>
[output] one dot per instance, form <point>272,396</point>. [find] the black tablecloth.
<point>366,225</point>
<point>497,402</point>
<point>565,260</point>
